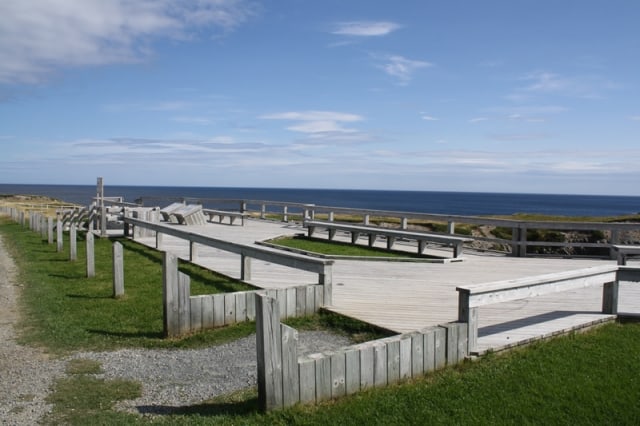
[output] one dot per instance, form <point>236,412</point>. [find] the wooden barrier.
<point>185,313</point>
<point>322,267</point>
<point>285,380</point>
<point>221,214</point>
<point>624,252</point>
<point>472,297</point>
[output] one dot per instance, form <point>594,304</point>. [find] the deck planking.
<point>407,296</point>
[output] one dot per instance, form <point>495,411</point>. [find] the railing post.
<point>263,211</point>
<point>470,316</point>
<point>245,267</point>
<point>451,227</point>
<point>59,241</point>
<point>610,298</point>
<point>50,230</point>
<point>518,242</point>
<point>285,217</point>
<point>193,251</point>
<point>118,270</point>
<point>331,216</point>
<point>326,279</point>
<point>73,243</point>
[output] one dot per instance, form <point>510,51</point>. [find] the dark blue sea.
<point>454,203</point>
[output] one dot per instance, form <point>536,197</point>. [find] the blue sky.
<point>498,96</point>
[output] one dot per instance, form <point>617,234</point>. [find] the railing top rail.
<point>556,277</point>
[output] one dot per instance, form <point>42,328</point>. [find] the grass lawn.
<point>589,378</point>
<point>337,248</point>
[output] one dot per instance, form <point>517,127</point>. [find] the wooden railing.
<point>472,297</point>
<point>322,267</point>
<point>517,245</point>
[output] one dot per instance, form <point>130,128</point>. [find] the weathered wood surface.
<point>405,297</point>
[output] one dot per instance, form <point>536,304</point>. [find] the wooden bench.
<point>167,211</point>
<point>391,235</point>
<point>221,214</point>
<point>624,252</point>
<point>471,297</point>
<point>190,214</point>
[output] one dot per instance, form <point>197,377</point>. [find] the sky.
<point>493,96</point>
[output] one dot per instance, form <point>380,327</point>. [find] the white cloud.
<point>400,67</point>
<point>581,86</point>
<point>365,28</point>
<point>39,36</point>
<point>429,118</point>
<point>313,122</point>
<point>478,119</point>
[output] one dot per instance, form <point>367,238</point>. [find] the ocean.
<point>454,203</point>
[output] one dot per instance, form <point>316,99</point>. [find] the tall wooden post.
<point>103,210</point>
<point>118,270</point>
<point>73,243</point>
<point>269,353</point>
<point>91,268</point>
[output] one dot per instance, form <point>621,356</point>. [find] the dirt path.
<point>27,373</point>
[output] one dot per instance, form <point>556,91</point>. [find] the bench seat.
<point>221,214</point>
<point>391,235</point>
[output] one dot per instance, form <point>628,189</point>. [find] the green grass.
<point>336,248</point>
<point>65,311</point>
<point>584,379</point>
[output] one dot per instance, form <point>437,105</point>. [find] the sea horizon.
<point>434,202</point>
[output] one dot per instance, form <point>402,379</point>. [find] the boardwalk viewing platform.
<point>408,296</point>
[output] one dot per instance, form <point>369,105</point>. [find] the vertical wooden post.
<point>290,373</point>
<point>269,353</point>
<point>469,316</point>
<point>50,230</point>
<point>451,227</point>
<point>285,215</point>
<point>170,296</point>
<point>103,210</point>
<point>326,279</point>
<point>404,223</point>
<point>184,303</point>
<point>91,263</point>
<point>245,267</point>
<point>193,251</point>
<point>263,211</point>
<point>610,298</point>
<point>331,217</point>
<point>73,243</point>
<point>59,227</point>
<point>118,270</point>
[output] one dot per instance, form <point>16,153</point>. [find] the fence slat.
<point>338,374</point>
<point>218,310</point>
<point>366,366</point>
<point>90,253</point>
<point>229,308</point>
<point>379,364</point>
<point>417,356</point>
<point>307,374</point>
<point>241,307</point>
<point>290,373</point>
<point>186,306</point>
<point>323,378</point>
<point>207,312</point>
<point>170,295</point>
<point>352,371</point>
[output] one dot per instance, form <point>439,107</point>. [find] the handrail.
<point>471,297</point>
<point>322,267</point>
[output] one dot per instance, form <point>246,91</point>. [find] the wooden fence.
<point>284,379</point>
<point>185,314</point>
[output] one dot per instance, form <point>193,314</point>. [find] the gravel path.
<point>170,378</point>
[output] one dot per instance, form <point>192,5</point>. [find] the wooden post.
<point>193,251</point>
<point>91,263</point>
<point>170,295</point>
<point>59,241</point>
<point>290,374</point>
<point>470,316</point>
<point>326,279</point>
<point>245,267</point>
<point>103,210</point>
<point>73,243</point>
<point>118,270</point>
<point>285,215</point>
<point>404,223</point>
<point>269,353</point>
<point>451,227</point>
<point>50,230</point>
<point>610,298</point>
<point>263,211</point>
<point>184,303</point>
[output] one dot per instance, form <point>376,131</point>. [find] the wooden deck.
<point>407,296</point>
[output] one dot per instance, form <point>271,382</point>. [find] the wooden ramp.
<point>407,296</point>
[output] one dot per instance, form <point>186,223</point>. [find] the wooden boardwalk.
<point>407,296</point>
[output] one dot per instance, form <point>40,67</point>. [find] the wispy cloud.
<point>478,119</point>
<point>429,118</point>
<point>549,83</point>
<point>399,67</point>
<point>365,28</point>
<point>38,37</point>
<point>315,121</point>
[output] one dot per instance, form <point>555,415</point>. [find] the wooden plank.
<point>207,312</point>
<point>310,300</point>
<point>338,374</point>
<point>195,314</point>
<point>393,360</point>
<point>323,378</point>
<point>380,364</point>
<point>229,308</point>
<point>352,370</point>
<point>290,373</point>
<point>440,346</point>
<point>301,301</point>
<point>291,300</point>
<point>185,309</point>
<point>281,297</point>
<point>429,349</point>
<point>73,243</point>
<point>405,357</point>
<point>241,306</point>
<point>417,355</point>
<point>451,343</point>
<point>218,310</point>
<point>307,375</point>
<point>366,366</point>
<point>319,297</point>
